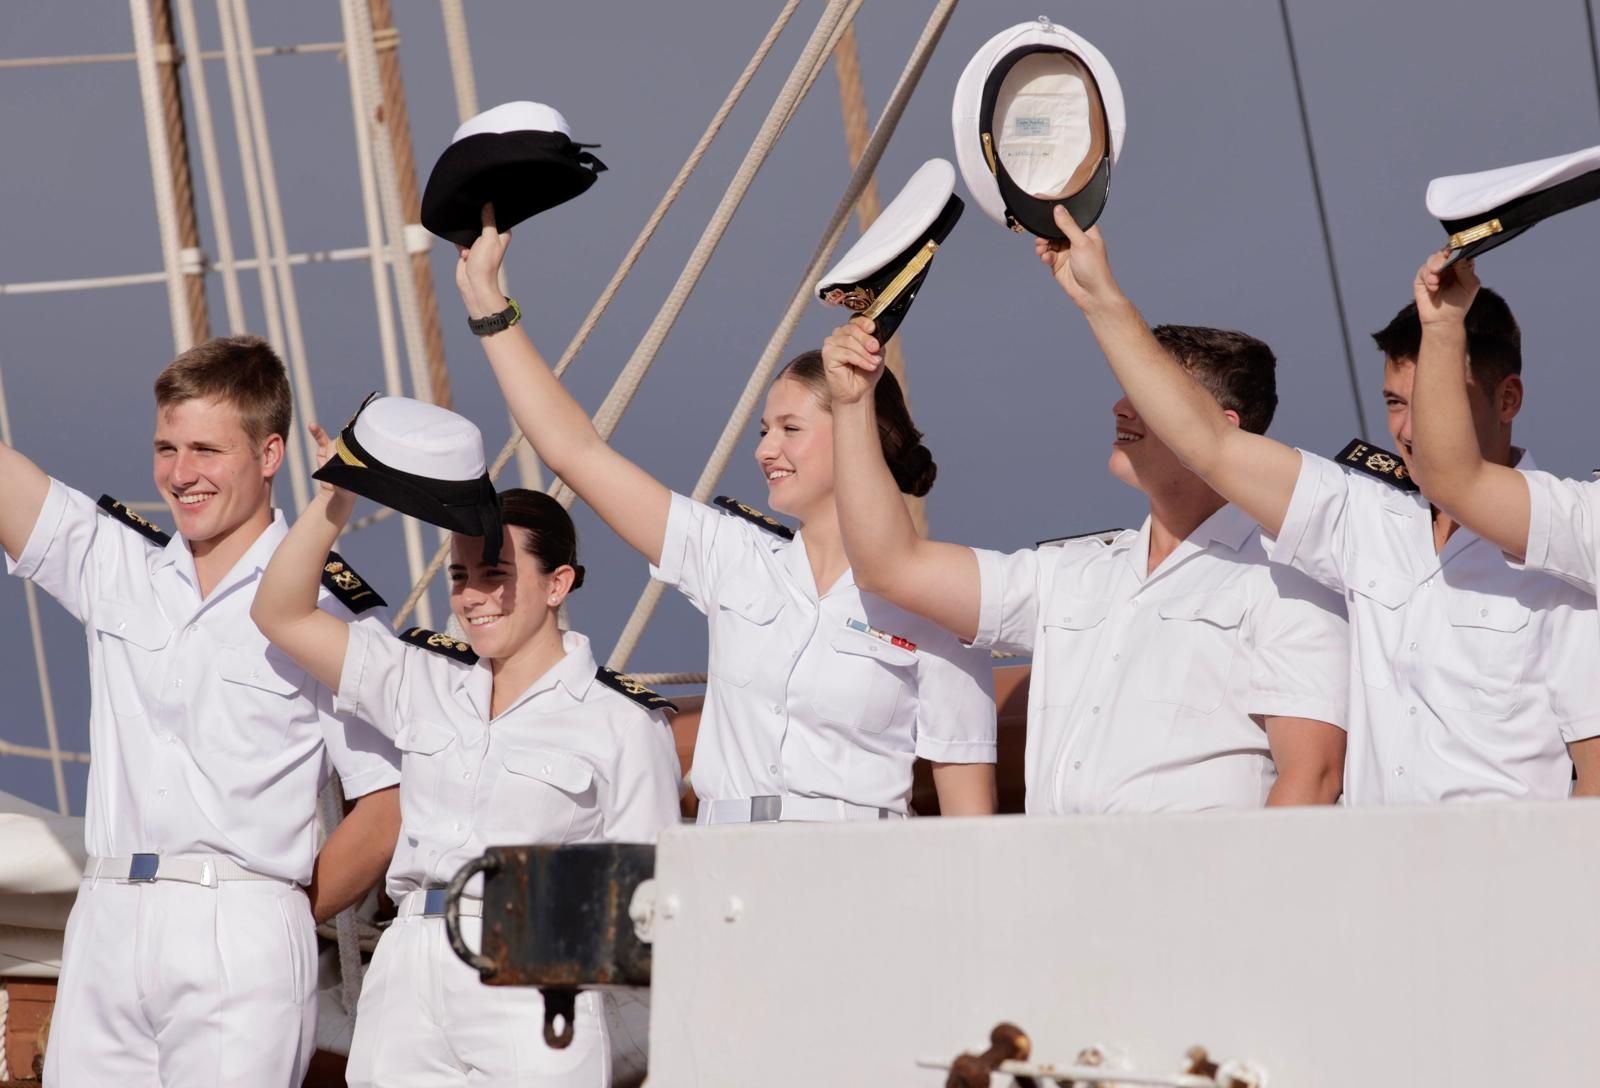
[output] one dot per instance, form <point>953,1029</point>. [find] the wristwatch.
<point>500,322</point>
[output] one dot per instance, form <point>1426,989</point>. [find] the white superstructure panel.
<point>1395,947</point>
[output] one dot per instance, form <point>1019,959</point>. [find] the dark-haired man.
<point>1471,677</point>
<point>1174,669</point>
<point>190,956</point>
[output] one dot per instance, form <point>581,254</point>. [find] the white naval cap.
<point>518,156</point>
<point>879,276</point>
<point>422,460</point>
<point>1038,120</point>
<point>1489,208</point>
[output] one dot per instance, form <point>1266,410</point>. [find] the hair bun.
<point>577,577</point>
<point>914,471</point>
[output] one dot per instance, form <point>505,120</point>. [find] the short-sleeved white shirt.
<point>816,694</point>
<point>1147,687</point>
<point>1563,523</point>
<point>1469,674</point>
<point>205,739</point>
<point>572,760</point>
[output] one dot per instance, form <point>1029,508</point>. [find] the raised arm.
<point>1490,499</point>
<point>627,498</point>
<point>939,581</point>
<point>23,487</point>
<point>285,607</point>
<point>1253,472</point>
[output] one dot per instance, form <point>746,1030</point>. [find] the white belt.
<point>429,902</point>
<point>773,809</point>
<point>205,870</point>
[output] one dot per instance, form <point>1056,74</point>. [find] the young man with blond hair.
<point>190,956</point>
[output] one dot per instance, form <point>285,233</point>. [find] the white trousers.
<point>426,1021</point>
<point>173,985</point>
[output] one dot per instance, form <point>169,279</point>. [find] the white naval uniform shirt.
<point>1564,528</point>
<point>1146,686</point>
<point>572,760</point>
<point>798,700</point>
<point>1469,673</point>
<point>205,738</point>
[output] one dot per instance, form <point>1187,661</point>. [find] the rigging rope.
<point>216,197</point>
<point>629,260</point>
<point>144,48</point>
<point>298,454</point>
<point>740,417</point>
<point>168,60</point>
<point>1322,218</point>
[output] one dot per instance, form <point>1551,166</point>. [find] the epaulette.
<point>1386,466</point>
<point>750,513</point>
<point>133,521</point>
<point>1104,536</point>
<point>347,585</point>
<point>440,643</point>
<point>634,690</point>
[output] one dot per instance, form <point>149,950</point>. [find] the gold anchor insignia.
<point>345,580</point>
<point>135,518</point>
<point>1382,462</point>
<point>446,642</point>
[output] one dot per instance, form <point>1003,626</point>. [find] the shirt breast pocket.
<point>131,638</point>
<point>539,793</point>
<point>1486,656</point>
<point>1072,625</point>
<point>422,745</point>
<point>261,691</point>
<point>866,682</point>
<point>743,630</point>
<point>1193,651</point>
<point>1376,596</point>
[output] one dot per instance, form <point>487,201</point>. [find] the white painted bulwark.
<point>1395,947</point>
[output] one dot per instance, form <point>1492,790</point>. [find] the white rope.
<point>762,374</point>
<point>106,58</point>
<point>215,193</point>
<point>161,173</point>
<point>389,348</point>
<point>627,383</point>
<point>288,299</point>
<point>5,1011</point>
<point>331,816</point>
<point>40,662</point>
<point>299,469</point>
<point>629,260</point>
<point>133,279</point>
<point>459,47</point>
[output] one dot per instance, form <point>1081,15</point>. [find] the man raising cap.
<point>1472,678</point>
<point>191,957</point>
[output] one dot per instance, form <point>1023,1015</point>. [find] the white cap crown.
<point>514,117</point>
<point>422,439</point>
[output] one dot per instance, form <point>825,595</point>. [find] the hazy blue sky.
<point>1211,221</point>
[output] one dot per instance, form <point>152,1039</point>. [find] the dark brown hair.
<point>547,532</point>
<point>1494,342</point>
<point>909,460</point>
<point>1238,370</point>
<point>242,371</point>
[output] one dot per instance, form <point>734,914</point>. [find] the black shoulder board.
<point>439,643</point>
<point>1104,536</point>
<point>634,690</point>
<point>345,584</point>
<point>750,513</point>
<point>133,521</point>
<point>1386,466</point>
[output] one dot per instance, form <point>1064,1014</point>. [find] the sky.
<point>1212,220</point>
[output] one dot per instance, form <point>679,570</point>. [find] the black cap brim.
<point>520,173</point>
<point>1516,216</point>
<point>891,311</point>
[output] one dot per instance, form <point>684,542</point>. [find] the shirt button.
<point>161,793</point>
<point>1096,710</point>
<point>122,625</point>
<point>542,770</point>
<point>1428,584</point>
<point>776,709</point>
<point>1116,657</point>
<point>177,683</point>
<point>1372,583</point>
<point>772,768</point>
<point>1411,646</point>
<point>458,827</point>
<point>1077,764</point>
<point>1482,612</point>
<point>1399,772</point>
<point>466,776</point>
<point>1412,711</point>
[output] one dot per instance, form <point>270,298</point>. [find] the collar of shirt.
<point>1413,504</point>
<point>180,557</point>
<point>1228,526</point>
<point>574,674</point>
<point>797,565</point>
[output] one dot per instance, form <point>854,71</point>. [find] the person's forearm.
<point>965,789</point>
<point>1174,406</point>
<point>23,488</point>
<point>356,855</point>
<point>289,586</point>
<point>1307,786</point>
<point>878,532</point>
<point>556,425</point>
<point>1444,442</point>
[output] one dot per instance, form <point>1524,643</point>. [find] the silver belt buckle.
<point>766,809</point>
<point>142,868</point>
<point>433,901</point>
